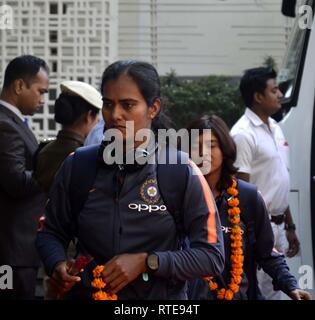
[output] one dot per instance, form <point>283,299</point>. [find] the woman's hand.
<point>62,281</point>
<point>123,269</point>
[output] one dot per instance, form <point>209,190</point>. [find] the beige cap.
<point>83,90</point>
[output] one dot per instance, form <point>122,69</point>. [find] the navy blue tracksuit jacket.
<point>132,218</point>
<point>258,241</point>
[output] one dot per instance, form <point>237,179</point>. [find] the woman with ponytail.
<point>135,215</point>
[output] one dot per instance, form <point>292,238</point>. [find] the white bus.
<point>297,82</point>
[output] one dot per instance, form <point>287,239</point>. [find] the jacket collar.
<point>27,134</point>
<point>13,109</point>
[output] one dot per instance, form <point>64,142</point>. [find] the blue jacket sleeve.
<point>205,254</point>
<point>53,241</point>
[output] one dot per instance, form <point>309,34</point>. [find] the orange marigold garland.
<point>237,257</point>
<point>99,284</point>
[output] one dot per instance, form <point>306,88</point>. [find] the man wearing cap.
<point>21,199</point>
<point>76,109</point>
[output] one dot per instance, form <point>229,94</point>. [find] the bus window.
<point>290,74</point>
<point>291,70</point>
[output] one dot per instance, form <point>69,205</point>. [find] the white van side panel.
<point>297,127</point>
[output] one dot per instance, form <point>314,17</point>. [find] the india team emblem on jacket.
<point>149,191</point>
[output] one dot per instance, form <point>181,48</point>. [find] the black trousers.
<point>24,284</point>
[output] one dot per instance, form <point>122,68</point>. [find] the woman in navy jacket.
<point>248,237</point>
<point>125,222</point>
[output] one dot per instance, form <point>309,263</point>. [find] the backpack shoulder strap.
<point>172,181</point>
<point>83,172</point>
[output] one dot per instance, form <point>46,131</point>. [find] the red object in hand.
<point>41,222</point>
<point>79,264</point>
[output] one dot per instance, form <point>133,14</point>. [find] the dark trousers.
<point>24,283</point>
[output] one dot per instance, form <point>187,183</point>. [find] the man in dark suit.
<point>21,200</point>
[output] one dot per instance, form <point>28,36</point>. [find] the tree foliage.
<point>189,99</point>
<point>270,62</point>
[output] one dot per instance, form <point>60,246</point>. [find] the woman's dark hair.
<point>221,131</point>
<point>255,80</point>
<point>148,81</point>
<point>68,109</point>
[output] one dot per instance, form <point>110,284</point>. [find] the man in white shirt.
<point>262,159</point>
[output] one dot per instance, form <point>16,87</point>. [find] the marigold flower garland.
<point>237,257</point>
<point>99,284</point>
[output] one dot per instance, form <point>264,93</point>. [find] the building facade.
<point>76,38</point>
<point>79,38</point>
<point>202,37</point>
